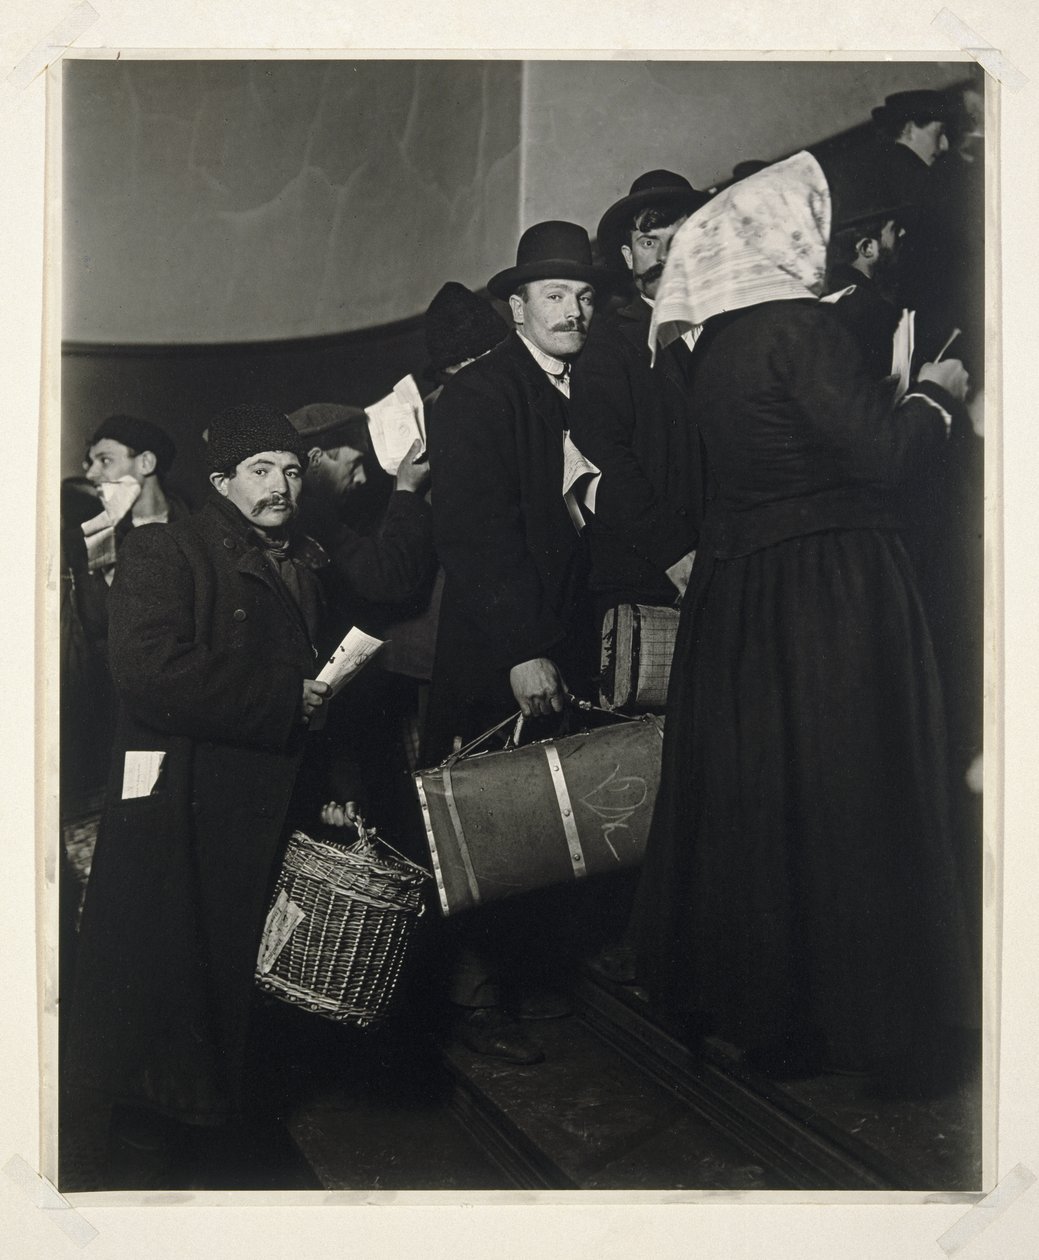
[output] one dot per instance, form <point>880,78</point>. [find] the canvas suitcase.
<point>638,641</point>
<point>501,823</point>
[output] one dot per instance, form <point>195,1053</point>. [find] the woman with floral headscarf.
<point>799,887</point>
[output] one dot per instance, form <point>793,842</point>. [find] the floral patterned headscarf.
<point>761,240</point>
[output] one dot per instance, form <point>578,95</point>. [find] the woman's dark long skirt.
<point>799,874</point>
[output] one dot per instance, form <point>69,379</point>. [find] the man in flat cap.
<point>633,420</point>
<point>377,531</point>
<point>215,632</point>
<point>513,629</point>
<point>125,464</point>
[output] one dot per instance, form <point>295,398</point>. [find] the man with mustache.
<point>632,420</point>
<point>215,637</point>
<point>513,620</point>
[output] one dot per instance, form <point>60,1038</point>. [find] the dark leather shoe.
<point>491,1031</point>
<point>541,1004</point>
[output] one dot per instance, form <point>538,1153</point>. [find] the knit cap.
<point>460,325</point>
<point>247,429</point>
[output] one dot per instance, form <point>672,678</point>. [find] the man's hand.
<point>413,470</point>
<point>538,687</point>
<point>335,815</point>
<point>679,572</point>
<point>314,693</point>
<point>950,374</point>
<point>118,498</point>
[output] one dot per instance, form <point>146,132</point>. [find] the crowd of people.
<point>776,391</point>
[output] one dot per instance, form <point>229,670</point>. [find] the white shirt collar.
<point>547,362</point>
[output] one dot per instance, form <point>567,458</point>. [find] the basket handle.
<point>367,837</point>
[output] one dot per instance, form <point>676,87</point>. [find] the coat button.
<point>229,544</point>
<point>239,614</point>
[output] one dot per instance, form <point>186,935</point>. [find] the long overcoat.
<point>515,565</point>
<point>635,423</point>
<point>208,653</point>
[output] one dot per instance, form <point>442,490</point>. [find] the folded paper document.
<point>394,422</point>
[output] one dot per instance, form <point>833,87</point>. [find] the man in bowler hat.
<point>513,630</point>
<point>633,420</point>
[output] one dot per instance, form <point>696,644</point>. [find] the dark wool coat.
<point>869,316</point>
<point>634,422</point>
<point>208,654</point>
<point>515,565</point>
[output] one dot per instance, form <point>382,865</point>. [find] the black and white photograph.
<point>522,625</point>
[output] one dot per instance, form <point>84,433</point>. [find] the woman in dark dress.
<point>799,886</point>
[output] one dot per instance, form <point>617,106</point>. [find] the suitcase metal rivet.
<point>566,813</point>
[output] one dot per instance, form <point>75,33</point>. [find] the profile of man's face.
<point>340,468</point>
<point>265,487</point>
<point>927,140</point>
<point>647,253</point>
<point>555,315</point>
<point>108,460</point>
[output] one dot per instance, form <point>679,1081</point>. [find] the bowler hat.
<point>654,188</point>
<point>921,106</point>
<point>553,250</point>
<point>867,183</point>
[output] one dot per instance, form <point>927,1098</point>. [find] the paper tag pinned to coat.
<point>282,920</point>
<point>141,773</point>
<point>579,471</point>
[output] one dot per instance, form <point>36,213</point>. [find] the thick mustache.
<point>564,328</point>
<point>264,504</point>
<point>651,273</point>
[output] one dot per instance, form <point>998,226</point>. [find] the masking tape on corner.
<point>985,1211</point>
<point>81,19</point>
<point>988,57</point>
<point>47,1199</point>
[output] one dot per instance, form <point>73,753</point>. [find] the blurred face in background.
<point>927,140</point>
<point>109,460</point>
<point>338,470</point>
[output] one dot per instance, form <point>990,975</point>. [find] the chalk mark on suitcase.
<point>615,817</point>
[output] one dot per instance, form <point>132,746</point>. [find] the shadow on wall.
<point>183,387</point>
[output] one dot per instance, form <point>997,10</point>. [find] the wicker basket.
<point>338,928</point>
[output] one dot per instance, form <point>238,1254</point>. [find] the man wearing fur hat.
<point>513,629</point>
<point>632,420</point>
<point>215,632</point>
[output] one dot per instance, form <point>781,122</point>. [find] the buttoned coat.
<point>634,422</point>
<point>515,565</point>
<point>208,653</point>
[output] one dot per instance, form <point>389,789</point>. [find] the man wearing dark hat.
<point>385,550</point>
<point>460,327</point>
<point>215,638</point>
<point>916,121</point>
<point>513,621</point>
<point>632,420</point>
<point>126,462</point>
<point>514,559</point>
<point>863,269</point>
